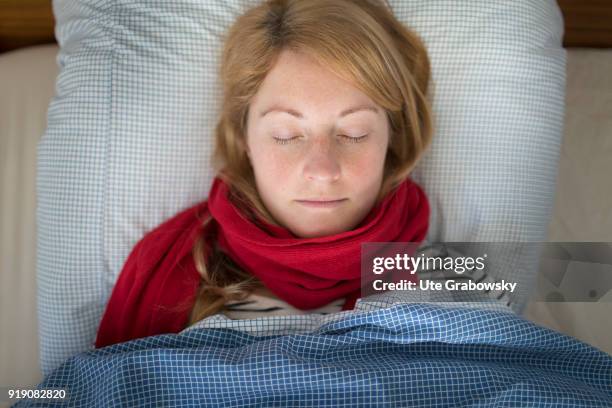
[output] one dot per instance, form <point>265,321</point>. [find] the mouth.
<point>322,203</point>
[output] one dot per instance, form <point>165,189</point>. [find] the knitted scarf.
<point>158,283</point>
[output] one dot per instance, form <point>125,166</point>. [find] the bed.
<point>28,79</point>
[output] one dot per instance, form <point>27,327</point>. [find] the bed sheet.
<point>583,202</point>
<point>27,81</point>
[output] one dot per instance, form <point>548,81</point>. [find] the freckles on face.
<point>272,169</point>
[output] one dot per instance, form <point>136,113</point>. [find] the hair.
<point>358,40</point>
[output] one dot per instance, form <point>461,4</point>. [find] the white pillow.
<point>130,134</point>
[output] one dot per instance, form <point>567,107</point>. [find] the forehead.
<point>298,78</point>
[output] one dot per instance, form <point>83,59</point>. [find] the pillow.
<point>130,134</point>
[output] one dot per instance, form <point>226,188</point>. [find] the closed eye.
<point>284,141</point>
<point>349,139</point>
<point>354,139</point>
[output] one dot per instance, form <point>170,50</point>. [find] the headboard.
<point>24,23</point>
<point>588,23</point>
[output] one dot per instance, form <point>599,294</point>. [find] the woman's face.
<point>312,136</point>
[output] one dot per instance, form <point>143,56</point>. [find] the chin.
<point>310,233</point>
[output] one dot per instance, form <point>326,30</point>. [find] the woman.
<point>324,116</point>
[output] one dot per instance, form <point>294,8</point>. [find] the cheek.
<point>269,166</point>
<point>368,165</point>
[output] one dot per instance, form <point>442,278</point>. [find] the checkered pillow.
<point>130,134</point>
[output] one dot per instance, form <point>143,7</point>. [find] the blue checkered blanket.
<point>407,354</point>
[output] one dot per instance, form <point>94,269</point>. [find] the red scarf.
<point>157,286</point>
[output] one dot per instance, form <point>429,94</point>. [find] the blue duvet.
<point>407,355</point>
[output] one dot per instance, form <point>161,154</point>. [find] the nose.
<point>322,163</point>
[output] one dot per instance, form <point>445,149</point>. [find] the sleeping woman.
<point>324,116</point>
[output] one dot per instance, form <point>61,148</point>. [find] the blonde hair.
<point>358,40</point>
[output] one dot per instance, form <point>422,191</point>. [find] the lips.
<point>322,203</point>
<point>321,200</point>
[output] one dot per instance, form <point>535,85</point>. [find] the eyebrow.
<point>299,115</point>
